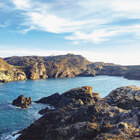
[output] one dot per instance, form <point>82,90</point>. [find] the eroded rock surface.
<point>87,119</point>
<point>74,97</point>
<point>10,73</point>
<point>22,101</point>
<point>125,97</point>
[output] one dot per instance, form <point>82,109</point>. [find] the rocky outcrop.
<point>125,97</point>
<point>51,100</point>
<point>74,97</point>
<point>22,101</point>
<point>10,73</point>
<point>92,119</point>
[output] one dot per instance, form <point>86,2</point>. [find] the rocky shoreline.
<point>35,67</point>
<point>80,114</point>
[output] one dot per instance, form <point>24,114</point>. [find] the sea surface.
<point>13,119</point>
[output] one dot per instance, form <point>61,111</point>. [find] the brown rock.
<point>22,101</point>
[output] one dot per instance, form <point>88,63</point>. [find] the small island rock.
<point>22,101</point>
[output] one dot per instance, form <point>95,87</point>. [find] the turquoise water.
<point>13,119</point>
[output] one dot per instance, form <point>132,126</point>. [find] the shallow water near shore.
<point>13,119</point>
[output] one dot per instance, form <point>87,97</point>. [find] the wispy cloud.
<point>101,35</point>
<point>86,21</point>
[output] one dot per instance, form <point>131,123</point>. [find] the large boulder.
<point>22,101</point>
<point>125,97</point>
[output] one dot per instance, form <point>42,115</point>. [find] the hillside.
<point>133,72</point>
<point>38,67</point>
<point>52,66</point>
<point>10,73</point>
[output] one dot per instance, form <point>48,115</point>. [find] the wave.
<point>10,136</point>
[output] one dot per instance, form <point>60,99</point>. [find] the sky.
<point>100,30</point>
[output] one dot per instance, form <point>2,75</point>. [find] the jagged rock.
<point>90,120</point>
<point>51,100</point>
<point>125,97</point>
<point>22,101</point>
<point>74,97</point>
<point>45,110</point>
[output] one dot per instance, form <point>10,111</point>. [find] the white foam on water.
<point>10,136</point>
<point>14,107</point>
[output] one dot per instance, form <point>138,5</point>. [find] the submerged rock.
<point>82,115</point>
<point>22,101</point>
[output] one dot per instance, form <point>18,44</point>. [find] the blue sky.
<point>100,30</point>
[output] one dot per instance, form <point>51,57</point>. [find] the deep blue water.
<point>13,119</point>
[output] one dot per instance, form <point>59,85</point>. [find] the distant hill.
<point>38,67</point>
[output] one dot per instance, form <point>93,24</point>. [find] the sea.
<point>13,119</point>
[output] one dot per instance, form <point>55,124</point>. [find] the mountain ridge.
<point>70,65</point>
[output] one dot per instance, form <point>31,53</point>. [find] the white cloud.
<point>101,35</point>
<point>96,36</point>
<point>127,5</point>
<point>86,20</point>
<point>22,4</point>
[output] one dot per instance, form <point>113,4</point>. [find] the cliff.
<point>52,66</point>
<point>10,73</point>
<point>37,67</point>
<point>133,72</point>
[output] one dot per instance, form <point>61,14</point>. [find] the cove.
<point>13,119</point>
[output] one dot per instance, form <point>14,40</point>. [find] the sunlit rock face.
<point>53,66</point>
<point>10,73</point>
<point>37,67</point>
<point>38,71</point>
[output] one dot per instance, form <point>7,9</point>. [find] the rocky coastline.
<point>80,114</point>
<point>35,67</point>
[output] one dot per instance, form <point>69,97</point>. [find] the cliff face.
<point>53,66</point>
<point>108,69</point>
<point>10,73</point>
<point>133,72</point>
<point>69,65</point>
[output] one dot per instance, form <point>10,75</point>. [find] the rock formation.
<point>133,73</point>
<point>10,73</point>
<point>125,97</point>
<point>52,66</point>
<point>74,97</point>
<point>22,101</point>
<point>69,65</point>
<point>83,115</point>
